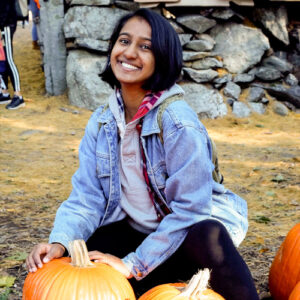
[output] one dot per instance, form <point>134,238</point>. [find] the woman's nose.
<point>131,51</point>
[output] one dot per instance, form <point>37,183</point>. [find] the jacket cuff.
<point>60,239</point>
<point>136,269</point>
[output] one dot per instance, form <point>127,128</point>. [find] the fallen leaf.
<point>18,256</point>
<point>7,281</point>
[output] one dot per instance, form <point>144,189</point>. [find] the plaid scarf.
<point>148,102</point>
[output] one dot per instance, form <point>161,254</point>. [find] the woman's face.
<point>132,60</point>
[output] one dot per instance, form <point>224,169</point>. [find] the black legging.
<point>207,245</point>
<point>11,68</point>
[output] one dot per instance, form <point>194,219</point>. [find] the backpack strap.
<point>103,110</point>
<point>217,176</point>
<point>161,109</point>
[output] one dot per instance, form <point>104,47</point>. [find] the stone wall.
<point>232,56</point>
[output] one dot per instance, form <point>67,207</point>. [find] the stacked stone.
<point>223,57</point>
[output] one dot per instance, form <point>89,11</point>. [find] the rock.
<point>223,13</point>
<point>264,100</point>
<point>128,5</point>
<point>176,27</point>
<point>295,36</point>
<point>241,110</point>
<point>258,108</point>
<point>291,80</point>
<point>280,109</point>
<point>255,94</point>
<point>267,74</point>
<point>275,20</point>
<point>241,47</point>
<point>232,90</point>
<point>184,38</point>
<point>199,45</point>
<point>92,44</point>
<point>207,102</point>
<point>207,63</point>
<point>277,63</point>
<point>92,2</point>
<point>85,21</point>
<point>191,55</point>
<point>201,75</point>
<point>294,59</point>
<point>85,88</point>
<point>243,78</point>
<point>196,23</point>
<point>204,36</point>
<point>290,106</point>
<point>281,93</point>
<point>223,79</point>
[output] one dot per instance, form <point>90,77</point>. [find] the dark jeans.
<point>207,245</point>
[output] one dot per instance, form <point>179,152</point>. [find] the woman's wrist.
<point>65,251</point>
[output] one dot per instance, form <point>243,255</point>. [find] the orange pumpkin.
<point>295,294</point>
<point>195,289</point>
<point>77,279</point>
<point>285,269</point>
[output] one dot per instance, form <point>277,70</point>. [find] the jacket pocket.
<point>160,175</point>
<point>103,165</point>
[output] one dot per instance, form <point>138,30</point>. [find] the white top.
<point>135,199</point>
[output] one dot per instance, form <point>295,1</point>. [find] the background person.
<point>8,25</point>
<point>34,7</point>
<point>150,209</point>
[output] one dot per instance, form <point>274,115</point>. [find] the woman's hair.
<point>165,46</point>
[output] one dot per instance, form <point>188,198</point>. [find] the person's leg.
<point>35,13</point>
<point>17,101</point>
<point>118,239</point>
<point>11,66</point>
<point>208,245</point>
<point>4,94</point>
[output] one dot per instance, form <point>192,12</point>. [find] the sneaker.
<point>16,103</point>
<point>4,99</point>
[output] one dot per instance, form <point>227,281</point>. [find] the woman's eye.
<point>146,47</point>
<point>123,41</point>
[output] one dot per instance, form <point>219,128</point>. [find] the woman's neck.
<point>132,97</point>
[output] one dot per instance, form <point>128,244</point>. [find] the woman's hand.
<point>43,253</point>
<point>110,260</point>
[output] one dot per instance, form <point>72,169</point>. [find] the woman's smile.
<point>132,60</point>
<point>129,66</point>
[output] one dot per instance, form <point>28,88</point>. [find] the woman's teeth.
<point>128,66</point>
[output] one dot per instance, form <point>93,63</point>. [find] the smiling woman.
<point>147,206</point>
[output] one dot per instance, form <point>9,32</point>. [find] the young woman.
<point>8,25</point>
<point>150,209</point>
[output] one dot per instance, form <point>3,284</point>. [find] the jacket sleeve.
<point>78,217</point>
<point>188,190</point>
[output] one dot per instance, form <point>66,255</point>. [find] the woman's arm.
<point>78,216</point>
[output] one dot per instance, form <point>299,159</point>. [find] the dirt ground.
<point>259,157</point>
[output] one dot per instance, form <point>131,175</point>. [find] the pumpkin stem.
<point>196,285</point>
<point>79,254</point>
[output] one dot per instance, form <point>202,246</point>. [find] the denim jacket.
<point>180,171</point>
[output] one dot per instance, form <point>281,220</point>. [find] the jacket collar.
<point>150,124</point>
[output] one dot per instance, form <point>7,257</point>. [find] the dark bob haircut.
<point>165,46</point>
